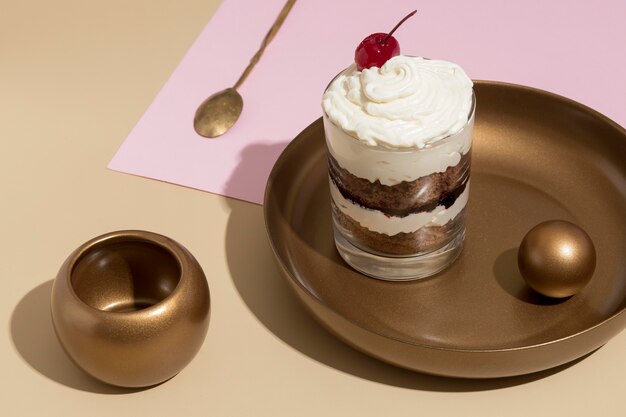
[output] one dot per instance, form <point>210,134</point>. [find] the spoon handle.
<point>268,38</point>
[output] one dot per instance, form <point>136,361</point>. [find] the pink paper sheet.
<point>575,49</point>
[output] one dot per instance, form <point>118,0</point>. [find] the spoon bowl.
<point>218,113</point>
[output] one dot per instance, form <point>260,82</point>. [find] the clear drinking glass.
<point>399,214</point>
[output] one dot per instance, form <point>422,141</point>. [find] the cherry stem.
<point>397,26</point>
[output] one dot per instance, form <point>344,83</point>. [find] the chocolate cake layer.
<point>422,195</point>
<point>425,239</point>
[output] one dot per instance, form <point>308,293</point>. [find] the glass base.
<point>399,268</point>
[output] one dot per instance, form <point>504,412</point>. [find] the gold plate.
<point>536,157</point>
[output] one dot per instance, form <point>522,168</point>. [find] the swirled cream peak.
<point>408,102</point>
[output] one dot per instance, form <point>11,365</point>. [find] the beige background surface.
<point>75,76</point>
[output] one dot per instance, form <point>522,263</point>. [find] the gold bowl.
<point>131,308</point>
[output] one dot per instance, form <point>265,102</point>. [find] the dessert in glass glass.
<point>399,140</point>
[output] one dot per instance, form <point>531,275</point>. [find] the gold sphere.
<point>556,258</point>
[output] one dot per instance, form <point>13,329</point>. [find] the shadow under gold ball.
<point>131,308</point>
<point>556,258</point>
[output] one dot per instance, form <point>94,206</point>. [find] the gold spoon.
<point>219,112</point>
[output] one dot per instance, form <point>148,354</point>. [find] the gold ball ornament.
<point>556,258</point>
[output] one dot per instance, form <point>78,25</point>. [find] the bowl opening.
<point>125,276</point>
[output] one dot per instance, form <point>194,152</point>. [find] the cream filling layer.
<point>392,167</point>
<point>377,221</point>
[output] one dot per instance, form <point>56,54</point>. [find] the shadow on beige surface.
<point>261,287</point>
<point>34,339</point>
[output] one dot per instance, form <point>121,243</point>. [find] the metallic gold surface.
<point>557,258</point>
<point>220,111</point>
<point>536,156</point>
<point>131,308</point>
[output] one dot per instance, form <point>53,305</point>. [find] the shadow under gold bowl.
<point>131,308</point>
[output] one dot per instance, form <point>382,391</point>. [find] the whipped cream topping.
<point>410,102</point>
<point>377,221</point>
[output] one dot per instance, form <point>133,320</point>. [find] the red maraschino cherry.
<point>377,48</point>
